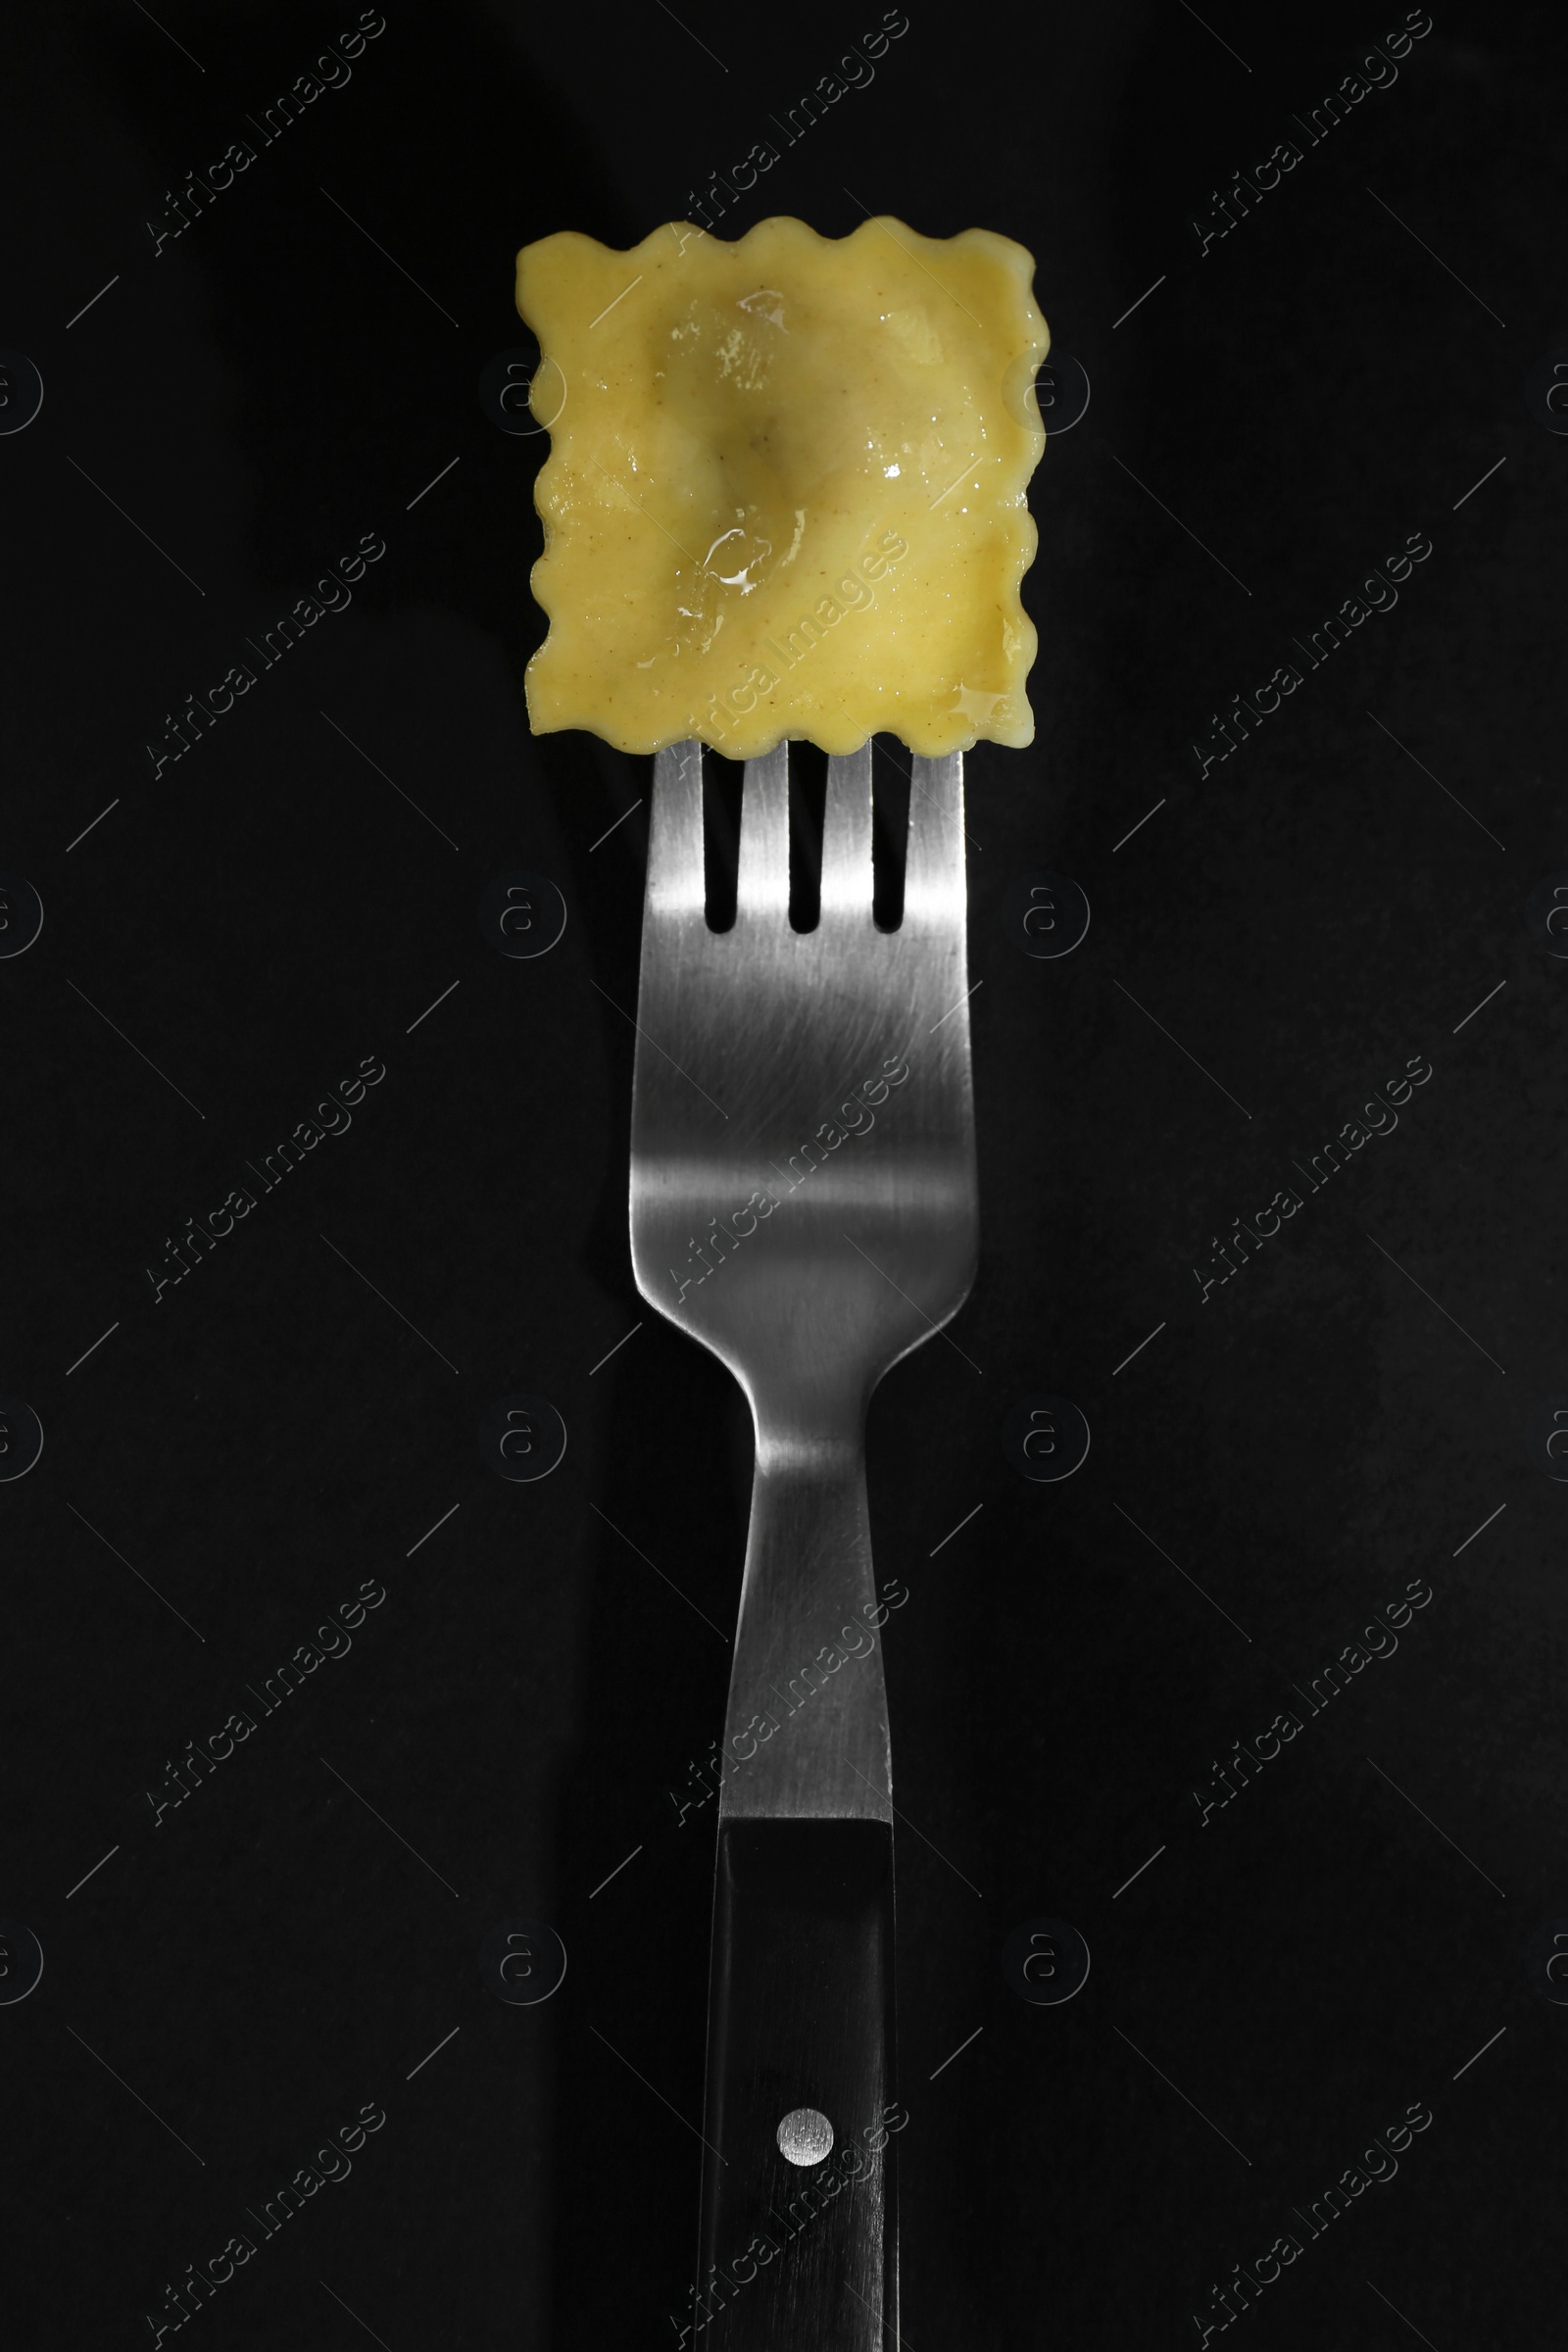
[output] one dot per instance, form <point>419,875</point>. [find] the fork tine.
<point>847,837</point>
<point>676,880</point>
<point>762,884</point>
<point>933,875</point>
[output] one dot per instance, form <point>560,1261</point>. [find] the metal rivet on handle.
<point>804,2137</point>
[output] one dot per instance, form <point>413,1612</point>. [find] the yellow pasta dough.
<point>786,488</point>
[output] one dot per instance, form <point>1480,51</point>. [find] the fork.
<point>804,1203</point>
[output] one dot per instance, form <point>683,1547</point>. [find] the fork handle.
<point>800,2016</point>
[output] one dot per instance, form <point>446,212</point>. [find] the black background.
<point>1303,1443</point>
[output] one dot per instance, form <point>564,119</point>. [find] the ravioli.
<point>786,489</point>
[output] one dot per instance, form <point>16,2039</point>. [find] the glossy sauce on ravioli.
<point>786,491</point>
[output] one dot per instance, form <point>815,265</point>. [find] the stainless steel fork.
<point>804,1203</point>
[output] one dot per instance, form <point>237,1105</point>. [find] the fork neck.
<point>813,1427</point>
<point>807,1731</point>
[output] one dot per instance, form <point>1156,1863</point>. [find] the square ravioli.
<point>786,490</point>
